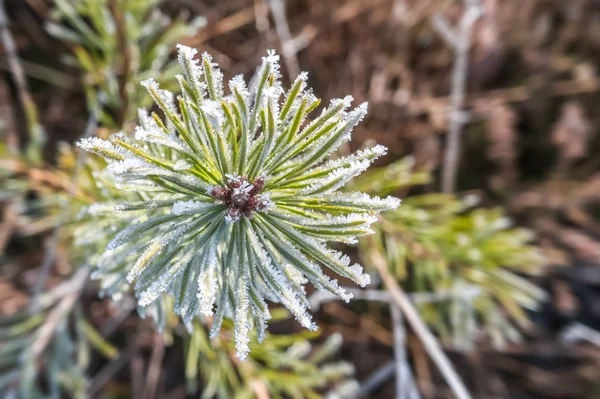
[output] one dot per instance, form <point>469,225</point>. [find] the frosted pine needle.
<point>237,197</point>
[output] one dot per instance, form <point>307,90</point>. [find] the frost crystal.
<point>237,199</point>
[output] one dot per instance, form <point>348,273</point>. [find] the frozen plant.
<point>238,197</point>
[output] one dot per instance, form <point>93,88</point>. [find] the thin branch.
<point>57,314</point>
<point>107,372</point>
<point>376,378</point>
<point>445,30</point>
<point>261,12</point>
<point>460,39</point>
<point>320,297</point>
<point>136,365</point>
<point>405,384</point>
<point>580,332</point>
<point>429,341</point>
<point>222,26</point>
<point>283,31</point>
<point>34,129</point>
<point>126,306</point>
<point>154,368</point>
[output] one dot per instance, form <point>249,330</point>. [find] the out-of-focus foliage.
<point>282,365</point>
<point>45,347</point>
<point>470,258</point>
<point>50,345</point>
<point>117,44</point>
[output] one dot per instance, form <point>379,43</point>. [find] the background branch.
<point>429,341</point>
<point>460,40</point>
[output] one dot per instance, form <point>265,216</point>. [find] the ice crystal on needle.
<point>237,197</point>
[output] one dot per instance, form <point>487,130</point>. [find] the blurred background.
<point>489,111</point>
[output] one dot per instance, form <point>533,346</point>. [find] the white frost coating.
<point>260,309</point>
<point>314,274</point>
<point>323,147</point>
<point>208,284</point>
<point>134,230</point>
<point>362,279</point>
<point>193,72</point>
<point>370,154</point>
<point>145,120</point>
<point>242,192</point>
<point>136,169</point>
<point>157,136</point>
<point>301,79</point>
<point>242,320</point>
<point>165,99</point>
<point>101,147</point>
<point>343,228</point>
<point>346,101</point>
<point>272,59</point>
<point>212,108</point>
<point>134,165</point>
<point>352,219</point>
<point>182,164</point>
<point>364,201</point>
<point>135,206</point>
<point>143,260</point>
<point>161,284</point>
<point>237,84</point>
<point>186,52</point>
<point>337,261</point>
<point>336,179</point>
<point>217,76</point>
<point>190,207</point>
<point>150,83</point>
<point>279,284</point>
<point>272,93</point>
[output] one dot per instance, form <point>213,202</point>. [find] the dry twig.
<point>405,384</point>
<point>155,366</point>
<point>431,344</point>
<point>108,372</point>
<point>287,43</point>
<point>320,297</point>
<point>46,331</point>
<point>377,378</point>
<point>224,25</point>
<point>460,40</point>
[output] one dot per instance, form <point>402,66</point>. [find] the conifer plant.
<point>238,197</point>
